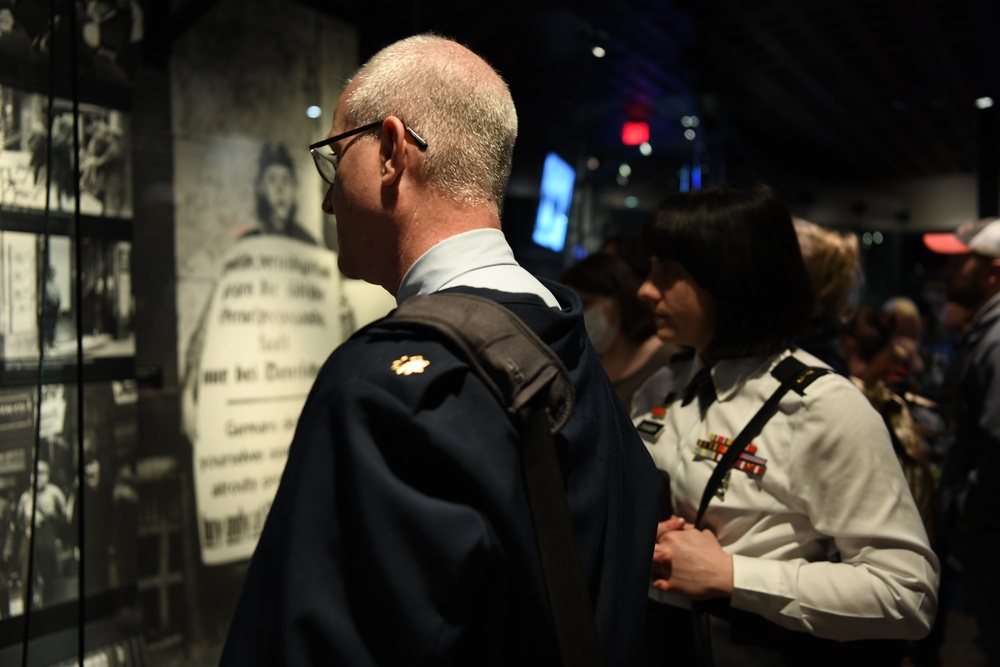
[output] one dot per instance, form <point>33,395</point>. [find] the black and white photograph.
<point>42,559</point>
<point>38,285</point>
<point>17,432</point>
<point>39,553</point>
<point>19,318</point>
<point>106,302</point>
<point>108,488</point>
<point>36,159</point>
<point>106,33</point>
<point>36,276</point>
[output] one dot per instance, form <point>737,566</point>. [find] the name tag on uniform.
<point>649,429</point>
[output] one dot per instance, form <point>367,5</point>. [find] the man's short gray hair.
<point>452,98</point>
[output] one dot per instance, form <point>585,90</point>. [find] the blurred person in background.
<point>906,329</point>
<point>834,269</point>
<point>620,324</point>
<point>629,248</point>
<point>969,514</point>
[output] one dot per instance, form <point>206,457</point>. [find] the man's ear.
<point>392,150</point>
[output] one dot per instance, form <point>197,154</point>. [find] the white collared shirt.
<point>479,258</point>
<point>830,487</point>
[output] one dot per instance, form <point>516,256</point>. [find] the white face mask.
<point>600,331</point>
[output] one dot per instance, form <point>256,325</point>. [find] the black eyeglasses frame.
<point>334,159</point>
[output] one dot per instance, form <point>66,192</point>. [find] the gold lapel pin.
<point>407,365</point>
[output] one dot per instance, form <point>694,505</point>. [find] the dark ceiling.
<point>796,91</point>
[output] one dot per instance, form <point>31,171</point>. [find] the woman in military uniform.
<point>812,535</point>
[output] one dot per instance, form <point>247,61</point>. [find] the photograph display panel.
<point>19,295</point>
<point>39,297</point>
<point>107,37</point>
<point>37,166</point>
<point>68,430</point>
<point>41,539</point>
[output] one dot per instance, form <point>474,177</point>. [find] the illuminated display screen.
<point>553,209</point>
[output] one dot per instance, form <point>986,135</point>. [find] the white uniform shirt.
<point>830,484</point>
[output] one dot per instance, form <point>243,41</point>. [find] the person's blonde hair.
<point>904,316</point>
<point>452,98</point>
<point>834,268</point>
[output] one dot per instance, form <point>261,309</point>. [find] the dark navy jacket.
<point>401,534</point>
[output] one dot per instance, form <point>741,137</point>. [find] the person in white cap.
<point>969,516</point>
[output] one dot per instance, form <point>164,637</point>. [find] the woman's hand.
<point>690,562</point>
<point>661,566</point>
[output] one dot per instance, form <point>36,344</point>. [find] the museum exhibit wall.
<point>169,288</point>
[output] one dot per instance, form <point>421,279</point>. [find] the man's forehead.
<point>338,121</point>
<point>345,95</point>
<point>339,111</point>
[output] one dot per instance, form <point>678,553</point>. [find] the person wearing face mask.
<point>619,324</point>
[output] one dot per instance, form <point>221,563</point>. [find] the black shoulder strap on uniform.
<point>513,362</point>
<point>792,374</point>
<point>534,385</point>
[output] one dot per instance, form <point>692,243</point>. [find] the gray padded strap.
<point>512,360</point>
<point>534,385</point>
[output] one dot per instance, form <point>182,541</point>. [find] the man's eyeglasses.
<point>326,163</point>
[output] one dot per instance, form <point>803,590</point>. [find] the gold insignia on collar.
<point>406,365</point>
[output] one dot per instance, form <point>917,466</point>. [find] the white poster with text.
<point>272,322</point>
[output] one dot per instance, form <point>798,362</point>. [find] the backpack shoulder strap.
<point>510,358</point>
<point>532,383</point>
<point>794,375</point>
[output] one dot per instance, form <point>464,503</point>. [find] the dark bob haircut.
<point>608,276</point>
<point>740,245</point>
